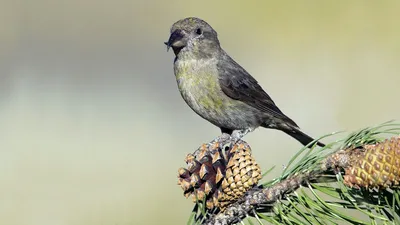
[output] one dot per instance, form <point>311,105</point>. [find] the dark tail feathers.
<point>299,135</point>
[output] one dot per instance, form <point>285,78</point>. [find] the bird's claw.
<point>226,141</point>
<point>223,138</point>
<point>239,134</point>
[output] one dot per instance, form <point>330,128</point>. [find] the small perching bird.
<point>219,89</point>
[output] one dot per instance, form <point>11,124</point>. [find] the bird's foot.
<point>227,141</point>
<point>239,134</point>
<point>223,140</point>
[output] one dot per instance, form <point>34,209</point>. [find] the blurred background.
<point>93,128</point>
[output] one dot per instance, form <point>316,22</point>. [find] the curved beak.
<point>175,40</point>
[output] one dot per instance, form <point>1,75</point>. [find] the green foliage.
<point>330,202</point>
<point>326,200</point>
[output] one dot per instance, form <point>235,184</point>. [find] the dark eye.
<point>199,31</point>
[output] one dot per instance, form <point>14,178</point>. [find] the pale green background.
<point>93,129</point>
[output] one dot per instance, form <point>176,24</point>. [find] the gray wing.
<point>238,84</point>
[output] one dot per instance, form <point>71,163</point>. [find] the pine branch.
<point>322,185</point>
<point>257,197</point>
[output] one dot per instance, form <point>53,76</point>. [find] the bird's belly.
<point>206,98</point>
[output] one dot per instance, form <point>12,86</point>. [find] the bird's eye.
<point>199,31</point>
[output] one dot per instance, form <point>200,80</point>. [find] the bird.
<point>218,89</point>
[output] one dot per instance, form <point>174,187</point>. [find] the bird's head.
<point>193,35</point>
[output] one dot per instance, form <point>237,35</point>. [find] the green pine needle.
<point>330,201</point>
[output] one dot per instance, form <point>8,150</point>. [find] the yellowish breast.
<point>199,86</point>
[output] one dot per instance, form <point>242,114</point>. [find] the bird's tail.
<point>297,134</point>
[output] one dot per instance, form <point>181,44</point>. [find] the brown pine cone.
<point>217,176</point>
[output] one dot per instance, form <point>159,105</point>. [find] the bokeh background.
<point>93,129</point>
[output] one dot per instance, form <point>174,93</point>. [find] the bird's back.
<point>238,84</point>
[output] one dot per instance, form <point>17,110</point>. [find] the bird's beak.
<point>175,40</point>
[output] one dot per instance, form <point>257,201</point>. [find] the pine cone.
<point>219,176</point>
<point>375,166</point>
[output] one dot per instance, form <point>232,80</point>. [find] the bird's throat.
<point>177,50</point>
